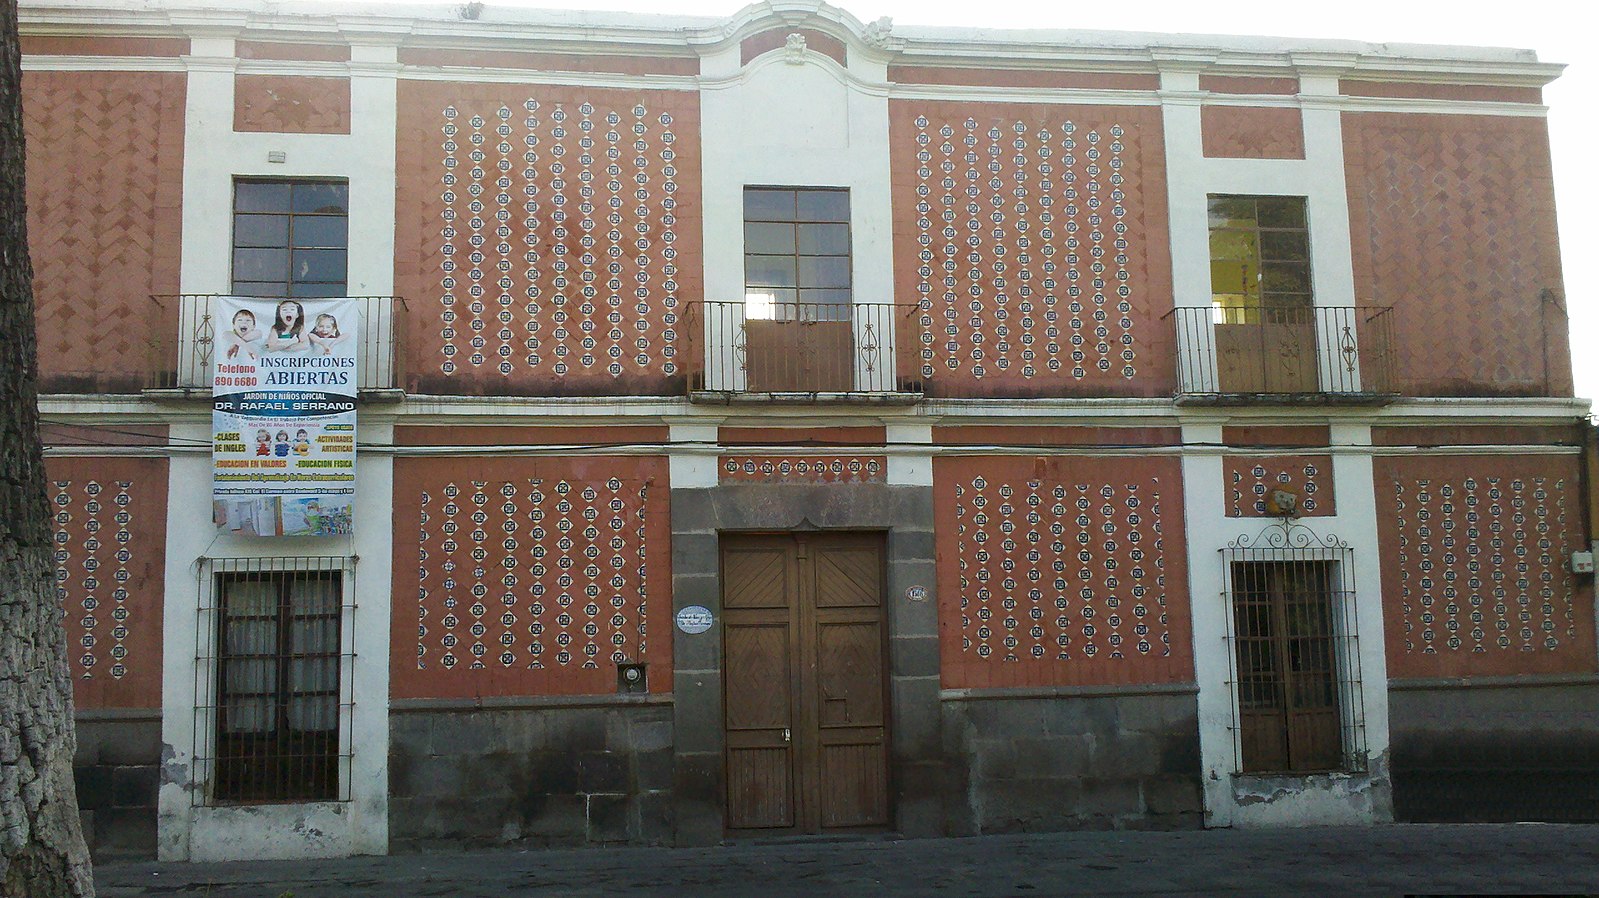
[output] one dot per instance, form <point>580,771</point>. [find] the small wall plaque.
<point>916,593</point>
<point>694,619</point>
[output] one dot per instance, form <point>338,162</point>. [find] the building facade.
<point>784,423</point>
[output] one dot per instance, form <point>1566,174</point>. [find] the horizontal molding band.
<point>1511,681</point>
<point>1038,692</point>
<point>527,702</point>
<point>116,715</point>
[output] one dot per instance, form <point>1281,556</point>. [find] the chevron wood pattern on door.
<point>105,180</point>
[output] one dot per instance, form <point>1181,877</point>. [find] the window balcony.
<point>181,359</point>
<point>771,351</point>
<point>1286,355</point>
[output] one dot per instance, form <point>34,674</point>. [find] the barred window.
<point>274,699</point>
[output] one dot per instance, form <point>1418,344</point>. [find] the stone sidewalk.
<point>1390,860</point>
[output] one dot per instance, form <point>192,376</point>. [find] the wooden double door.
<point>805,703</point>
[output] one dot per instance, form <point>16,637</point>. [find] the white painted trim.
<point>906,468</point>
<point>692,462</point>
<point>103,64</point>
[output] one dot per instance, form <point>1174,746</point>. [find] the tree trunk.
<point>42,852</point>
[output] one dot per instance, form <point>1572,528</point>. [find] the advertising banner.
<point>283,392</point>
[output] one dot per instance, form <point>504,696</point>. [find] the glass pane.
<point>766,204</point>
<point>251,676</point>
<point>824,239</point>
<point>249,715</point>
<point>319,264</point>
<point>251,636</point>
<point>823,205</point>
<point>1285,277</point>
<point>314,675</point>
<point>260,288</point>
<point>259,264</point>
<point>1291,246</point>
<point>250,597</point>
<point>1232,212</point>
<point>261,196</point>
<point>313,713</point>
<point>321,230</point>
<point>313,636</point>
<point>824,271</point>
<point>1233,278</point>
<point>314,595</point>
<point>321,197</point>
<point>769,271</point>
<point>760,237</point>
<point>1233,244</point>
<point>261,230</point>
<point>825,305</point>
<point>768,304</point>
<point>1281,211</point>
<point>315,290</point>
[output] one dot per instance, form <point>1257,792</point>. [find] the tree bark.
<point>42,853</point>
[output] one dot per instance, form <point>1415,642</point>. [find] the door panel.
<point>807,745</point>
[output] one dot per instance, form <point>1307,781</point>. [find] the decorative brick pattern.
<point>1250,481</point>
<point>1251,132</point>
<point>530,578</point>
<point>559,236</point>
<point>803,468</point>
<point>1475,576</point>
<point>1060,571</point>
<point>110,526</point>
<point>1034,241</point>
<point>1452,219</point>
<point>103,230</point>
<point>291,104</point>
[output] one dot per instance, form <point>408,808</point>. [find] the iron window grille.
<point>1293,650</point>
<point>273,672</point>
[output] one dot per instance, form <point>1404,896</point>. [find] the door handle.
<point>785,734</point>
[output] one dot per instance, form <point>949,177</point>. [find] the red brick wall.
<point>529,576</point>
<point>1474,553</point>
<point>1467,92</point>
<point>291,104</point>
<point>991,77</point>
<point>1052,269</point>
<point>110,554</point>
<point>1252,132</point>
<point>105,182</point>
<point>1452,220</point>
<point>542,289</point>
<point>1061,571</point>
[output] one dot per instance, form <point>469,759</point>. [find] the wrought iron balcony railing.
<point>182,357</point>
<point>786,348</point>
<point>1328,354</point>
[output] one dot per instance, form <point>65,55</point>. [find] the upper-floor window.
<point>290,237</point>
<point>1259,259</point>
<point>796,253</point>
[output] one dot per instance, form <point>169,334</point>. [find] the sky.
<point>1559,31</point>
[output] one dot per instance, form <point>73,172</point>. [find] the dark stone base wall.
<point>1488,754</point>
<point>117,775</point>
<point>1065,763</point>
<point>536,776</point>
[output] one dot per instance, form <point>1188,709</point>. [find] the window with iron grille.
<point>272,720</point>
<point>1298,704</point>
<point>290,238</point>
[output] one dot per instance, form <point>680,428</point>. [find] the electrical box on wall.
<point>1582,562</point>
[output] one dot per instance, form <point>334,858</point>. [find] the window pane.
<point>1232,212</point>
<point>823,205</point>
<point>312,714</point>
<point>1290,246</point>
<point>825,305</point>
<point>769,271</point>
<point>823,271</point>
<point>1285,277</point>
<point>1281,211</point>
<point>260,264</point>
<point>760,237</point>
<point>317,290</point>
<point>315,196</point>
<point>766,204</point>
<point>249,715</point>
<point>261,230</point>
<point>319,265</point>
<point>261,196</point>
<point>824,239</point>
<point>321,231</point>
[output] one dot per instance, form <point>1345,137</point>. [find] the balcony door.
<point>1265,318</point>
<point>798,309</point>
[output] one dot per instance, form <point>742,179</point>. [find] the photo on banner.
<point>283,392</point>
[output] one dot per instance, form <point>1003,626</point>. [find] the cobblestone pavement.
<point>1391,860</point>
